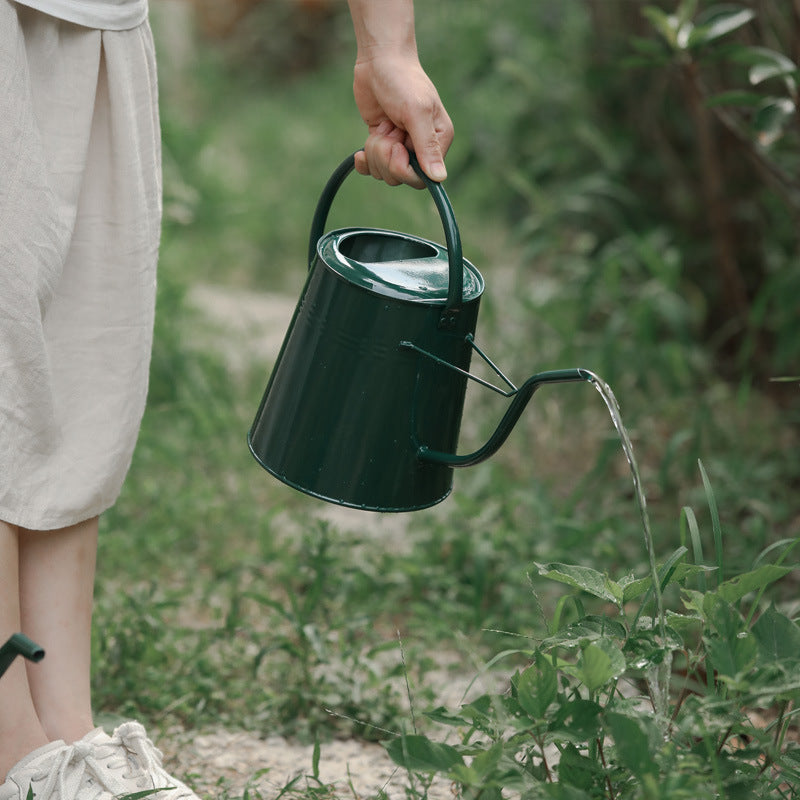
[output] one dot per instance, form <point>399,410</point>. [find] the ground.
<point>249,327</point>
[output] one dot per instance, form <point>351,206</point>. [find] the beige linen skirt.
<point>80,213</point>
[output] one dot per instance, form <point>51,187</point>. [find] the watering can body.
<point>347,406</point>
<point>349,403</point>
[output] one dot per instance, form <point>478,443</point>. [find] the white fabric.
<point>112,15</point>
<point>80,206</point>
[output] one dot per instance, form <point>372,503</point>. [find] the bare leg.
<point>20,730</point>
<point>56,586</point>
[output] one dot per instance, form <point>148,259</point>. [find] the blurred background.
<point>625,176</point>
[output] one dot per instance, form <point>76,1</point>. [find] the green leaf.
<point>589,628</point>
<point>443,716</point>
<point>733,649</point>
<point>736,588</point>
<point>575,769</point>
<point>778,637</point>
<point>632,741</point>
<point>483,771</point>
<point>770,64</point>
<point>417,753</point>
<point>582,717</point>
<point>686,10</point>
<point>485,762</point>
<point>724,22</point>
<point>600,662</point>
<point>666,24</point>
<point>735,98</point>
<point>585,578</point>
<point>771,120</point>
<point>537,688</point>
<point>637,587</point>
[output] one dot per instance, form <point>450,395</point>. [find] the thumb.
<point>431,158</point>
<point>430,137</point>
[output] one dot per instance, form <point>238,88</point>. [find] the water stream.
<point>658,676</point>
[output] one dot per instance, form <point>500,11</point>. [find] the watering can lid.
<point>395,264</point>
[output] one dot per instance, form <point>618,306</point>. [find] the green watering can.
<point>363,407</point>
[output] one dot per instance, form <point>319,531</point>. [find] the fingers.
<point>385,156</point>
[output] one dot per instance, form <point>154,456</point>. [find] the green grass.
<point>222,596</point>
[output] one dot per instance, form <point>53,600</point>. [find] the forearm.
<point>383,26</point>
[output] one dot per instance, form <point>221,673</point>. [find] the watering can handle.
<point>455,289</point>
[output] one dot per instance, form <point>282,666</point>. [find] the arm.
<point>395,97</point>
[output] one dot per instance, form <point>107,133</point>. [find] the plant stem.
<point>605,768</point>
<point>547,772</point>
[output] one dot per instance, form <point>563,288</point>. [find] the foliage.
<point>622,704</point>
<point>674,125</point>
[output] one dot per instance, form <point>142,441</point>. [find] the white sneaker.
<point>57,771</point>
<point>134,764</point>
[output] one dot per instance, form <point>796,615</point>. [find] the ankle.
<point>15,745</point>
<point>69,729</point>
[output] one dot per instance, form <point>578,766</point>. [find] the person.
<point>80,205</point>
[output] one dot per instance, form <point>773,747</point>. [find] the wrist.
<point>383,28</point>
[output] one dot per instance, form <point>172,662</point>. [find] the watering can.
<point>364,404</point>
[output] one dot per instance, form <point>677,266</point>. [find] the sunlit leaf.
<point>767,64</point>
<point>600,662</point>
<point>723,23</point>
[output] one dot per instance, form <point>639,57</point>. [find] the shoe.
<point>57,771</point>
<point>134,764</point>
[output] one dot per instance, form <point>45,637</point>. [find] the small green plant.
<point>617,703</point>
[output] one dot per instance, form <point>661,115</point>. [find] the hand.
<point>403,112</point>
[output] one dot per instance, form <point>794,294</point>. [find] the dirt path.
<point>226,763</point>
<point>248,327</point>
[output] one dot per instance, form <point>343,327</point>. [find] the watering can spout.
<point>510,418</point>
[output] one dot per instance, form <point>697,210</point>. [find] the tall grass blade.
<point>689,520</point>
<point>715,523</point>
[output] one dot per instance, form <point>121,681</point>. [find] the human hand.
<point>403,112</point>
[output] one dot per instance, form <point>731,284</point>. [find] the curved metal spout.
<point>509,420</point>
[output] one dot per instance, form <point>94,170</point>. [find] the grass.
<point>224,597</point>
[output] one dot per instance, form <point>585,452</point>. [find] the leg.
<point>56,580</point>
<point>20,730</point>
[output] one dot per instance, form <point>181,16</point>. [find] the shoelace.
<point>114,763</point>
<point>70,764</point>
<point>148,760</point>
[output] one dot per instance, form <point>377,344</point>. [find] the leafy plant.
<point>612,705</point>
